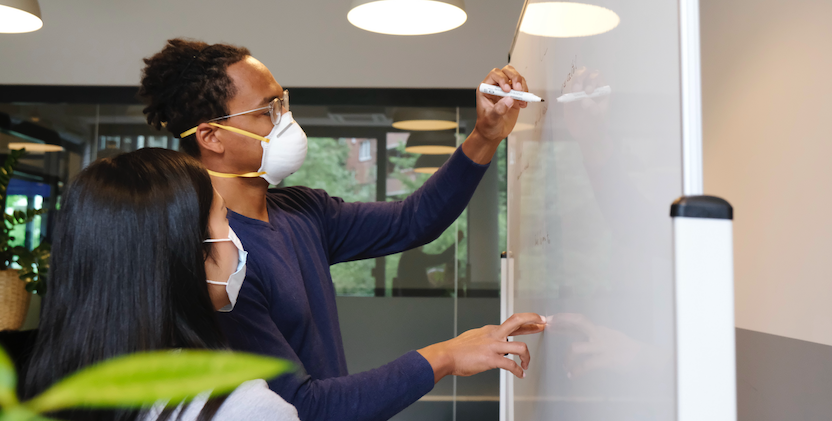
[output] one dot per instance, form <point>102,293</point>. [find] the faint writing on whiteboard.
<point>542,240</point>
<point>543,109</point>
<point>571,74</point>
<point>519,174</point>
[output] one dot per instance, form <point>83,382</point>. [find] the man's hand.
<point>482,349</point>
<point>496,115</point>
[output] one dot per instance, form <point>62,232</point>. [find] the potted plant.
<point>16,284</point>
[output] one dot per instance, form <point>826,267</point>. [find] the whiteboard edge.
<point>691,75</point>
<point>517,30</point>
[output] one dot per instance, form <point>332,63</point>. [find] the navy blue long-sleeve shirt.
<point>286,307</point>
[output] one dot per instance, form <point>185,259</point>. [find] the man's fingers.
<point>518,83</point>
<point>509,365</point>
<point>516,320</point>
<point>519,349</point>
<point>501,107</point>
<point>517,80</point>
<point>497,77</point>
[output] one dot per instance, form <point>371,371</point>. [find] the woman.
<point>137,237</point>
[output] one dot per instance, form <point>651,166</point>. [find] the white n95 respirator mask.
<point>284,150</point>
<point>235,281</point>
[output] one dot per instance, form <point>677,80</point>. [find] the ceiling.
<point>306,43</point>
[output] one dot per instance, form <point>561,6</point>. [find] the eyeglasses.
<point>275,108</point>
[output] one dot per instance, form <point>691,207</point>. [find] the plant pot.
<point>14,300</point>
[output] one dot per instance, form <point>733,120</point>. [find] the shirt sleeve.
<point>372,395</point>
<point>358,230</point>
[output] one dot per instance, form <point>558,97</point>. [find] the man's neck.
<point>246,196</point>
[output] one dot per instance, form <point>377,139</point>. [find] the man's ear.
<point>206,138</point>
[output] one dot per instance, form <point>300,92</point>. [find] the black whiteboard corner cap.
<point>701,207</point>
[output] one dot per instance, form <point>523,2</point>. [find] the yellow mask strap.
<point>238,131</point>
<point>254,174</point>
<point>230,129</point>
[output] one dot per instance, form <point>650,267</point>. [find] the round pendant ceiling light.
<point>563,19</point>
<point>407,17</point>
<point>35,138</point>
<point>431,143</point>
<point>429,164</point>
<point>424,119</point>
<point>18,16</point>
<point>35,147</point>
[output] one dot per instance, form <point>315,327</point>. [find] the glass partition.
<point>411,299</point>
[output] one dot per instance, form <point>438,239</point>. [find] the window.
<point>356,154</point>
<point>365,151</point>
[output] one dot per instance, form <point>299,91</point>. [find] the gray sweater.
<point>252,400</point>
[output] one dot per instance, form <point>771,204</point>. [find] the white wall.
<point>305,43</point>
<point>768,150</point>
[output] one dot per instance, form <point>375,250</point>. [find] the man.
<point>231,113</point>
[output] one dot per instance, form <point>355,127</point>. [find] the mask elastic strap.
<point>230,129</point>
<point>217,283</point>
<point>254,174</point>
<point>216,240</point>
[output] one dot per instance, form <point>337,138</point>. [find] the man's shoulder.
<point>297,198</point>
<point>296,193</point>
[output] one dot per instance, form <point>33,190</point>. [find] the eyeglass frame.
<point>284,103</point>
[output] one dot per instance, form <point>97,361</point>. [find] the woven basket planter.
<point>14,300</point>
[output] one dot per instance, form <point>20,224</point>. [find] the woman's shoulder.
<point>253,400</point>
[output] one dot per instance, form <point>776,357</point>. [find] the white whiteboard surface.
<point>590,183</point>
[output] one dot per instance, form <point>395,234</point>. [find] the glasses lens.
<point>275,111</point>
<point>286,99</point>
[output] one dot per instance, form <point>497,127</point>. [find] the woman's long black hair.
<point>127,269</point>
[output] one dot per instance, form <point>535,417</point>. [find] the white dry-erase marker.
<point>518,95</point>
<point>574,96</point>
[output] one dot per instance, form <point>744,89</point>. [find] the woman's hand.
<point>482,349</point>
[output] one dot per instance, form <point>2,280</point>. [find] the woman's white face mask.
<point>284,150</point>
<point>235,281</point>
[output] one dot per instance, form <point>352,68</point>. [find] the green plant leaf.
<point>145,378</point>
<point>8,380</point>
<point>20,413</point>
<point>32,286</point>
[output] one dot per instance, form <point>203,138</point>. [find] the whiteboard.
<point>590,244</point>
